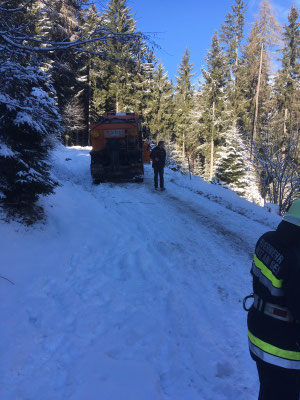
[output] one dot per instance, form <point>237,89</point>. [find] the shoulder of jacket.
<point>272,239</point>
<point>270,235</point>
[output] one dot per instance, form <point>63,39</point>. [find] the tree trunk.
<point>183,145</point>
<point>257,94</point>
<point>235,70</point>
<point>211,172</point>
<point>89,101</point>
<point>284,122</point>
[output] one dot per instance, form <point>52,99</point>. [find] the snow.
<point>10,103</point>
<point>40,93</point>
<point>6,151</point>
<point>272,208</point>
<point>127,293</point>
<point>23,118</point>
<point>42,97</point>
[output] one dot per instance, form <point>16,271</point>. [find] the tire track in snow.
<point>175,212</point>
<point>150,292</point>
<point>199,215</point>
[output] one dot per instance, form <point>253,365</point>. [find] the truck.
<point>117,148</point>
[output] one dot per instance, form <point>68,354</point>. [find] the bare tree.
<point>73,119</point>
<point>277,167</point>
<point>268,35</point>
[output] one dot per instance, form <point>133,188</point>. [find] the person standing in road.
<point>274,317</point>
<point>158,157</point>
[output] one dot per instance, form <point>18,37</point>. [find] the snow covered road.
<point>128,293</point>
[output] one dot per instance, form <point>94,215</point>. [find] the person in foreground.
<point>273,319</point>
<point>158,157</point>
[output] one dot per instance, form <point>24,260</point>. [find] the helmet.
<point>293,213</point>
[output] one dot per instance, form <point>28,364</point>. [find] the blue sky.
<point>190,23</point>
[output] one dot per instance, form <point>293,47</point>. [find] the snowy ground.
<point>127,293</point>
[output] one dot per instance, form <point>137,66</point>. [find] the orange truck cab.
<point>117,148</point>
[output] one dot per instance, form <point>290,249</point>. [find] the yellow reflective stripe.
<point>290,355</point>
<point>267,273</point>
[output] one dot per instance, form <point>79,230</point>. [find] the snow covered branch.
<point>17,42</point>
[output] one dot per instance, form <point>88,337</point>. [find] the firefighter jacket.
<point>160,154</point>
<point>276,280</point>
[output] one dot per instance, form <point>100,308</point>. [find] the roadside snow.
<point>127,293</point>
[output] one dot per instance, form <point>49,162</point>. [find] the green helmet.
<point>293,213</point>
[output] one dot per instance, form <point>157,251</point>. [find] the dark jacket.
<point>160,154</point>
<point>276,279</point>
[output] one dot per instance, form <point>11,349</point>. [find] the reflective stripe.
<point>267,273</point>
<point>269,358</point>
<point>287,355</point>
<point>265,281</point>
<point>273,310</point>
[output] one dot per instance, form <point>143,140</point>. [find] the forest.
<point>63,63</point>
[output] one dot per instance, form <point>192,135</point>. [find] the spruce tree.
<point>195,139</point>
<point>29,125</point>
<point>184,99</point>
<point>143,82</point>
<point>278,160</point>
<point>213,99</point>
<point>99,69</point>
<point>161,106</point>
<point>287,91</point>
<point>232,35</point>
<point>68,69</point>
<point>253,73</point>
<point>267,36</point>
<point>119,73</point>
<point>231,161</point>
<point>90,24</point>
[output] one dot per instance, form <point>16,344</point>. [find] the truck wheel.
<point>96,181</point>
<point>139,180</point>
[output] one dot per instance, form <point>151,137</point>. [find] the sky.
<point>178,24</point>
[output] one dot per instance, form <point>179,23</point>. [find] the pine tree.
<point>213,99</point>
<point>184,99</point>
